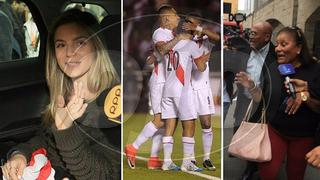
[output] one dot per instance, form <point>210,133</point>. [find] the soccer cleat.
<point>131,153</point>
<point>208,165</point>
<point>190,167</point>
<point>194,162</point>
<point>170,167</point>
<point>154,163</point>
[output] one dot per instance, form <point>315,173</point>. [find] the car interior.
<point>23,90</point>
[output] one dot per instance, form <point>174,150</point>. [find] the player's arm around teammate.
<point>162,36</point>
<point>201,83</point>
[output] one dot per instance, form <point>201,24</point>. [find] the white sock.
<point>188,148</point>
<point>207,138</point>
<point>156,143</point>
<point>167,148</point>
<point>193,158</point>
<point>146,133</point>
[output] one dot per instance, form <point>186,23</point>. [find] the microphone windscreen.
<point>112,104</point>
<point>286,69</point>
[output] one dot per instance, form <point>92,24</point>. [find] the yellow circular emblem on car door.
<point>112,104</point>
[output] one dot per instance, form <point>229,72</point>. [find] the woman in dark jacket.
<point>292,121</point>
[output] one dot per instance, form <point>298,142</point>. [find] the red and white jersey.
<point>158,73</point>
<point>200,80</point>
<point>39,167</point>
<point>178,65</point>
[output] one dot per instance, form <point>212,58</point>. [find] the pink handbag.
<point>251,141</point>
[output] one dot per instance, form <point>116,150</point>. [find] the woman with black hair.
<point>292,122</point>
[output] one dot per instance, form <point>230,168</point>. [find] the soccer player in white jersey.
<point>201,84</point>
<point>178,101</point>
<point>163,39</point>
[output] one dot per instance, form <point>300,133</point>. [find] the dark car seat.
<point>110,32</point>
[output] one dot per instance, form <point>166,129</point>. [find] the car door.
<point>23,90</point>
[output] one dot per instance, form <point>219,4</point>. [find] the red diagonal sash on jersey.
<point>174,61</point>
<point>180,74</point>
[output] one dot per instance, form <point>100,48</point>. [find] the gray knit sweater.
<point>84,151</point>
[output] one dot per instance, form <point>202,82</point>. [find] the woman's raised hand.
<point>66,114</point>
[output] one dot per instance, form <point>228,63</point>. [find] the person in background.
<point>6,37</point>
<point>262,54</point>
<point>19,49</point>
<point>235,57</point>
<point>204,37</point>
<point>31,37</point>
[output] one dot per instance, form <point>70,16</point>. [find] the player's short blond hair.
<point>163,11</point>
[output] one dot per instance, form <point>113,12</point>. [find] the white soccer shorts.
<point>156,90</point>
<point>204,101</point>
<point>177,107</point>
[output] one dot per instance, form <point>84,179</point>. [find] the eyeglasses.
<point>297,30</point>
<point>252,34</point>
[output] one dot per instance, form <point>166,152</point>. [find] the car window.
<point>19,34</point>
<point>96,10</point>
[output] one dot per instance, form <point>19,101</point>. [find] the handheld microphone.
<point>112,104</point>
<point>287,70</point>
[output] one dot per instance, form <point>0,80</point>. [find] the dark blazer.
<point>242,100</point>
<point>6,37</point>
<point>235,60</point>
<point>228,78</point>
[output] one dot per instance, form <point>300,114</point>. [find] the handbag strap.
<point>249,110</point>
<point>263,112</point>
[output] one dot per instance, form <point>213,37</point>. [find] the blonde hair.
<point>101,74</point>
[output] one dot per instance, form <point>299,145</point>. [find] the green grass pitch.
<point>133,124</point>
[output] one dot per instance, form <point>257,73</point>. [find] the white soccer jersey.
<point>178,66</point>
<point>158,73</point>
<point>200,80</point>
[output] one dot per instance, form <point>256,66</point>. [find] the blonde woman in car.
<point>79,75</point>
